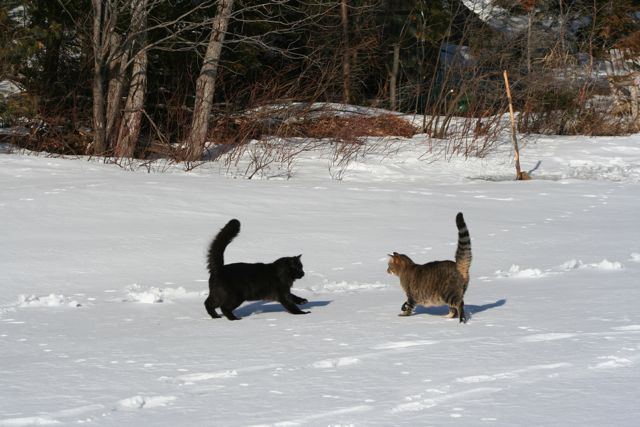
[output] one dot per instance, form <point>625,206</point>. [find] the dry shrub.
<point>229,130</point>
<point>72,144</point>
<point>593,123</point>
<point>630,43</point>
<point>234,130</point>
<point>54,137</point>
<point>349,128</point>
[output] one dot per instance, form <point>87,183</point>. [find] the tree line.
<point>127,76</point>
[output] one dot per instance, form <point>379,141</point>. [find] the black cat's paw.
<point>298,300</point>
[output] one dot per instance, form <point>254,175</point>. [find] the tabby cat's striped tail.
<point>463,253</point>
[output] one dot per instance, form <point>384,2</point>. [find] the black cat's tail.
<point>215,259</point>
<point>463,253</point>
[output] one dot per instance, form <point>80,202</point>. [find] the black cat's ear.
<point>299,256</point>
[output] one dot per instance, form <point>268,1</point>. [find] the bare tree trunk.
<point>99,118</point>
<point>117,71</point>
<point>205,85</point>
<point>563,27</point>
<point>131,121</point>
<point>346,64</point>
<point>393,80</point>
<point>529,30</point>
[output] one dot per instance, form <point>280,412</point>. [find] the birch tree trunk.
<point>132,118</point>
<point>205,85</point>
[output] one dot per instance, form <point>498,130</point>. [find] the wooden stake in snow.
<point>519,174</point>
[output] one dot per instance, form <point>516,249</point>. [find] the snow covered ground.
<point>103,280</point>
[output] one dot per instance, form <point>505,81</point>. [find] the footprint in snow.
<point>55,417</point>
<point>144,402</point>
<point>554,336</point>
<point>627,328</point>
<point>612,362</point>
<point>476,379</point>
<point>51,300</point>
<point>515,271</point>
<point>604,265</point>
<point>335,362</point>
<point>206,376</point>
<point>423,404</point>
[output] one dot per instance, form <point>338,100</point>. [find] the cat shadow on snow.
<point>272,307</point>
<point>470,308</point>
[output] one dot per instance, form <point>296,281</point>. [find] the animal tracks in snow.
<point>345,287</point>
<point>197,377</point>
<point>144,402</point>
<point>404,344</point>
<point>318,416</point>
<point>611,362</point>
<point>625,357</point>
<point>336,362</point>
<point>420,402</point>
<point>604,265</point>
<point>155,295</point>
<point>132,293</point>
<point>51,300</point>
<point>554,336</point>
<point>483,384</point>
<point>518,272</point>
<point>90,413</point>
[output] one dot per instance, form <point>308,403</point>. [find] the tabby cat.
<point>437,282</point>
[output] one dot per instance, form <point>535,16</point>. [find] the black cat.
<point>232,284</point>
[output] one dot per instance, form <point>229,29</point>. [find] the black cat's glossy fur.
<point>232,284</point>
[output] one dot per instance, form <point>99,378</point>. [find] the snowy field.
<point>103,280</point>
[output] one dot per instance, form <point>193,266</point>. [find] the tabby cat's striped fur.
<point>437,282</point>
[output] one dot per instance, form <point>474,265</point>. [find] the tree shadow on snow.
<point>470,309</point>
<point>273,307</point>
